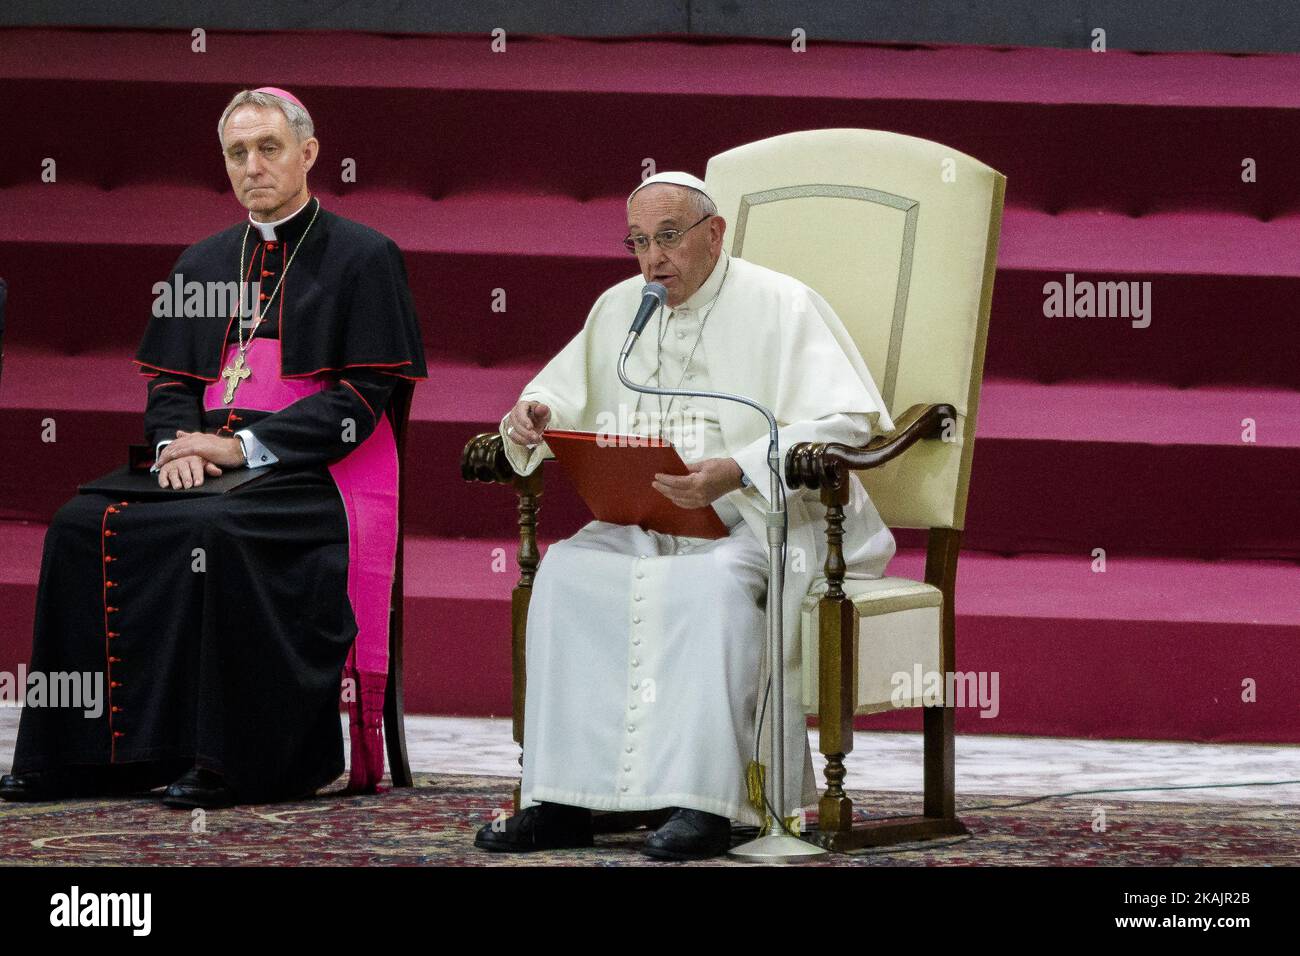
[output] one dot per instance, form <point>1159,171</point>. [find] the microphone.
<point>653,296</point>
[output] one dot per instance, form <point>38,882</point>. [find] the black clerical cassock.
<point>226,626</point>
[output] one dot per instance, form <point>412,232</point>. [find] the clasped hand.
<point>185,461</point>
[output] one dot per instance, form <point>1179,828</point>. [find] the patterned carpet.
<point>434,824</point>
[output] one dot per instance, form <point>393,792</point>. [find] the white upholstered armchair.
<point>900,236</point>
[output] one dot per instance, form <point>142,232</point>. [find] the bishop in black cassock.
<point>225,626</point>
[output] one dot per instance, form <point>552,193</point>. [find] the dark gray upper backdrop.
<point>1223,25</point>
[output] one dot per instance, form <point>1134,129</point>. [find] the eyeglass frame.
<point>629,242</point>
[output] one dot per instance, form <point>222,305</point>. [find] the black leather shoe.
<point>34,786</point>
<point>544,826</point>
<point>61,783</point>
<point>689,835</point>
<point>94,780</point>
<point>199,788</point>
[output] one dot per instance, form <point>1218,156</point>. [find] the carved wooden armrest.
<point>821,464</point>
<point>484,459</point>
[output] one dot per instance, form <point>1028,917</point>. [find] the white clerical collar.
<point>709,289</point>
<point>267,229</point>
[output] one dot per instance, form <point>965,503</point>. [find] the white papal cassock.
<point>645,651</point>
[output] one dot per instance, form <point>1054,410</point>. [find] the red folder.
<point>613,474</point>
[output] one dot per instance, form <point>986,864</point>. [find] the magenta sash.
<point>367,483</point>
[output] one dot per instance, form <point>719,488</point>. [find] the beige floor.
<point>1029,766</point>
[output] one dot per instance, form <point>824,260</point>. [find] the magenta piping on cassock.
<point>367,482</point>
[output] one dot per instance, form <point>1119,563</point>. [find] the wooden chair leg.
<point>837,674</point>
<point>399,767</point>
<point>940,763</point>
<point>518,647</point>
<point>836,684</point>
<point>837,688</point>
<point>484,459</point>
<point>530,493</point>
<point>940,737</point>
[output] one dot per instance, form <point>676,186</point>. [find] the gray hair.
<point>699,203</point>
<point>299,119</point>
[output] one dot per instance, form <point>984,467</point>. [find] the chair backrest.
<point>900,236</point>
<point>399,415</point>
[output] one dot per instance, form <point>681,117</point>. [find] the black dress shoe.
<point>543,826</point>
<point>59,783</point>
<point>199,788</point>
<point>35,786</point>
<point>690,835</point>
<point>93,780</point>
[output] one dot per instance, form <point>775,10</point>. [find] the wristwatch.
<point>744,479</point>
<point>243,448</point>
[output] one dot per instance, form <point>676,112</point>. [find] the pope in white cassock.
<point>645,651</point>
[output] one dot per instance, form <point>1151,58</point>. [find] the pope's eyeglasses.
<point>664,238</point>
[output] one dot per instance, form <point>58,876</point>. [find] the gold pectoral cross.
<point>233,375</point>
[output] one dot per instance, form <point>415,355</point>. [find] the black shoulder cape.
<point>344,302</point>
